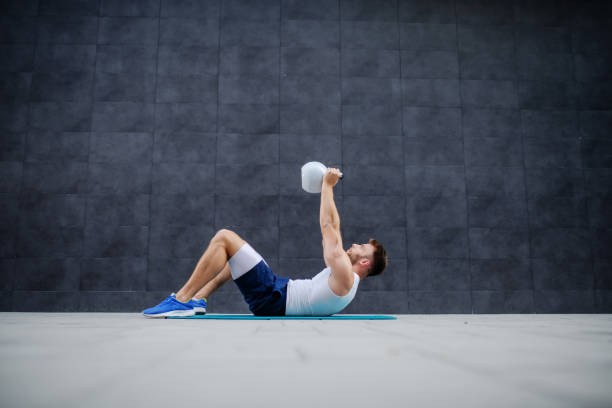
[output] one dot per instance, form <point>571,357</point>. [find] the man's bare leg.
<point>221,248</point>
<point>215,283</point>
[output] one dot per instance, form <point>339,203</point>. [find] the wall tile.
<point>440,302</point>
<point>437,242</point>
<point>192,88</point>
<point>44,146</point>
<point>11,177</point>
<point>429,64</point>
<point>248,90</point>
<point>75,8</point>
<point>250,33</point>
<point>185,117</point>
<point>187,60</point>
<point>310,61</point>
<point>310,33</point>
<point>189,31</point>
<point>549,124</point>
<point>183,178</point>
<point>119,178</point>
<point>128,30</point>
<point>311,10</point>
<point>47,274</point>
<point>67,30</point>
<point>46,301</point>
<point>369,63</point>
<point>378,119</point>
<point>310,89</point>
<point>123,117</point>
<point>491,12</point>
<point>311,118</point>
<point>247,149</point>
<point>373,180</point>
<point>55,177</point>
<point>372,150</point>
<point>112,301</point>
<point>369,34</point>
<point>546,94</point>
<point>49,241</point>
<point>485,93</point>
<point>115,241</point>
<point>16,57</point>
<point>232,213</point>
<point>118,209</point>
<point>560,244</point>
<point>257,61</point>
<point>371,91</point>
<point>438,274</point>
<point>190,9</point>
<point>506,301</point>
<point>124,87</point>
<point>374,211</point>
<point>564,301</point>
<point>501,274</point>
<point>428,37</point>
<point>73,86</point>
<point>7,274</point>
<point>431,92</point>
<point>497,243</point>
<point>247,179</point>
<point>251,10</point>
<point>65,210</point>
<point>63,58</point>
<point>420,11</point>
<point>436,211</point>
<point>181,209</point>
<point>179,241</point>
<point>566,275</point>
<point>248,118</point>
<point>139,8</point>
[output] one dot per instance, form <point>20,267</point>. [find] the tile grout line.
<point>21,193</point>
<point>586,195</point>
<point>524,167</point>
<point>280,50</point>
<point>146,288</point>
<point>399,51</point>
<point>80,305</point>
<point>465,178</point>
<point>214,209</point>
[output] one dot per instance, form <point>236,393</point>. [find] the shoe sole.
<point>172,313</point>
<point>200,310</point>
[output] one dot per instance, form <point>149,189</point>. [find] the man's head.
<point>369,259</point>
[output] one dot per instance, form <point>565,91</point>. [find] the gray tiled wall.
<point>476,139</point>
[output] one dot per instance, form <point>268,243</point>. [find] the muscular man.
<point>230,257</point>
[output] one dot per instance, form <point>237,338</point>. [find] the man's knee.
<point>224,235</point>
<point>230,239</point>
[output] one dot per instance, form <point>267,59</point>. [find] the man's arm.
<point>328,213</point>
<point>341,279</point>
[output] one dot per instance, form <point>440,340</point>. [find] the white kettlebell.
<point>312,176</point>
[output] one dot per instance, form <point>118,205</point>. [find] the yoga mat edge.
<point>252,317</point>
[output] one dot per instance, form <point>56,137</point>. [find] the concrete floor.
<point>115,359</point>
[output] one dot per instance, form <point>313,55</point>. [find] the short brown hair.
<point>379,259</point>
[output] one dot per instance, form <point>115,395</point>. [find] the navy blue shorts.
<point>265,292</point>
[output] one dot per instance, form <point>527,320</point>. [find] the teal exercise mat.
<point>252,317</point>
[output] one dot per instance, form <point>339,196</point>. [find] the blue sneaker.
<point>198,305</point>
<point>170,307</point>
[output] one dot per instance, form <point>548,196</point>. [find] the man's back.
<point>314,297</point>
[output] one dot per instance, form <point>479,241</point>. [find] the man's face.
<point>358,251</point>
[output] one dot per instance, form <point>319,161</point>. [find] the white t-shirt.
<point>314,297</point>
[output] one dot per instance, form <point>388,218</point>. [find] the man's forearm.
<point>328,212</point>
